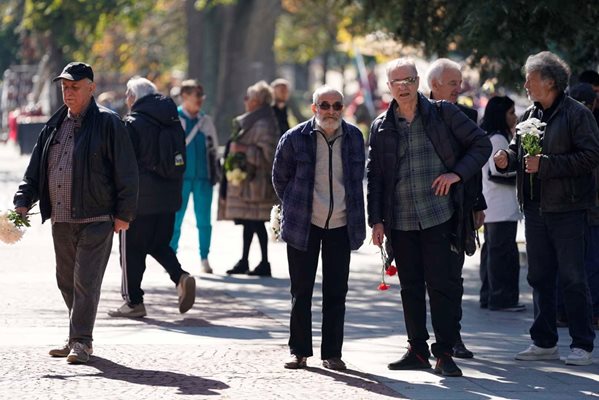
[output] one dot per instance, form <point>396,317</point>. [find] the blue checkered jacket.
<point>293,180</point>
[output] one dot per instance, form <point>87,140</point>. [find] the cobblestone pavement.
<point>233,342</point>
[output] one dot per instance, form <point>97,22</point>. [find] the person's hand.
<point>237,148</point>
<point>378,234</point>
<point>531,163</point>
<point>443,183</point>
<point>500,159</point>
<point>479,219</point>
<point>22,211</point>
<point>120,225</point>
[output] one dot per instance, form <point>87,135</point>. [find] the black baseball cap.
<point>75,71</point>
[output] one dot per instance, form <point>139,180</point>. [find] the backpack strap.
<point>194,131</point>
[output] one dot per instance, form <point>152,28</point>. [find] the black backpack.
<point>171,148</point>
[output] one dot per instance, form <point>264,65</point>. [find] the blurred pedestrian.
<point>151,116</point>
<point>248,201</point>
<point>281,88</point>
<point>499,257</point>
<point>202,171</point>
<point>421,153</point>
<point>83,172</point>
<point>317,174</point>
<point>592,78</point>
<point>556,188</point>
<point>445,81</point>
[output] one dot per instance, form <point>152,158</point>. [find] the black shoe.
<point>515,308</point>
<point>446,366</point>
<point>241,267</point>
<point>460,351</point>
<point>263,269</point>
<point>411,360</point>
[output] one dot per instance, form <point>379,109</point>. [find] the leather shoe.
<point>460,351</point>
<point>446,366</point>
<point>263,269</point>
<point>411,360</point>
<point>241,267</point>
<point>296,362</point>
<point>334,363</point>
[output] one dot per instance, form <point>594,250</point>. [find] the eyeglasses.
<point>404,82</point>
<point>337,106</point>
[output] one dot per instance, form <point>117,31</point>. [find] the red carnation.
<point>383,286</point>
<point>391,270</point>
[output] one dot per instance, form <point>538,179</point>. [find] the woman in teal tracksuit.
<point>201,167</point>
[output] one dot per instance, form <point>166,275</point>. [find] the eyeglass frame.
<point>404,82</point>
<point>325,106</point>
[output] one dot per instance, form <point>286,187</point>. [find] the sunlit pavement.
<point>232,344</point>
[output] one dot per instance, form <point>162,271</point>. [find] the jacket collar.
<point>424,108</point>
<point>57,118</point>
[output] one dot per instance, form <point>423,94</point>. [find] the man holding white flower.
<point>555,188</point>
<point>317,174</point>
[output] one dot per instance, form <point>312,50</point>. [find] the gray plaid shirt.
<point>60,172</point>
<point>416,206</point>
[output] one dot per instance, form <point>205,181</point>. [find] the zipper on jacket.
<point>331,200</point>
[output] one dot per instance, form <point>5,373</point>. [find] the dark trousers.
<point>591,264</point>
<point>147,235</point>
<point>82,252</point>
<point>335,273</point>
<point>425,261</point>
<point>500,266</point>
<point>555,247</point>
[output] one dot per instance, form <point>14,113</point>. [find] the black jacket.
<point>104,169</point>
<point>156,194</point>
<point>462,146</point>
<point>569,155</point>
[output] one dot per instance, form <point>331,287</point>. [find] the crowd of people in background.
<point>434,177</point>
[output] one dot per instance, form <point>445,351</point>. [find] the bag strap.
<point>194,131</point>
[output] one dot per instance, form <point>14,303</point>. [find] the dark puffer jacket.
<point>460,144</point>
<point>570,153</point>
<point>105,179</point>
<point>156,194</point>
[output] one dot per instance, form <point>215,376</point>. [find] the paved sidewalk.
<point>233,342</point>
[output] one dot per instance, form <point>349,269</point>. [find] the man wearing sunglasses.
<point>317,174</point>
<point>420,154</point>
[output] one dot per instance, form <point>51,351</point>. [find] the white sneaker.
<point>535,353</point>
<point>206,266</point>
<point>187,292</point>
<point>127,311</point>
<point>579,356</point>
<point>79,353</point>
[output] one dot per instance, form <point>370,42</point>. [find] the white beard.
<point>328,124</point>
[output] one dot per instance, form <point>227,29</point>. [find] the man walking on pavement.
<point>556,188</point>
<point>317,174</point>
<point>445,81</point>
<point>280,88</point>
<point>422,154</point>
<point>159,198</point>
<point>83,172</point>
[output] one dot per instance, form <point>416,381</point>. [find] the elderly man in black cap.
<point>83,172</point>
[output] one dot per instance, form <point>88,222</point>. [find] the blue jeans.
<point>202,206</point>
<point>555,247</point>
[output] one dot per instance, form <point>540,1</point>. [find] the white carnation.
<point>9,232</point>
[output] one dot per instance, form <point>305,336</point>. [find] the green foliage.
<point>495,35</point>
<point>10,17</point>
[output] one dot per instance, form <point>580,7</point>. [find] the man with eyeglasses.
<point>445,81</point>
<point>420,154</point>
<point>317,174</point>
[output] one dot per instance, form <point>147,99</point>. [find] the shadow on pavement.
<point>186,384</point>
<point>359,380</point>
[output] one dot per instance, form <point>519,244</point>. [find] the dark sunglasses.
<point>337,106</point>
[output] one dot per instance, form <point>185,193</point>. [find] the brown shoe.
<point>334,363</point>
<point>61,351</point>
<point>296,362</point>
<point>187,292</point>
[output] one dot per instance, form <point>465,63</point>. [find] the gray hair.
<point>139,87</point>
<point>400,62</point>
<point>437,68</point>
<point>261,91</point>
<point>550,67</point>
<point>280,82</point>
<point>324,90</point>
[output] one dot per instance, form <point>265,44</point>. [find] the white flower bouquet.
<point>275,222</point>
<point>530,132</point>
<point>12,226</point>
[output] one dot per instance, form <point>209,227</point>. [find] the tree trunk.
<point>230,48</point>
